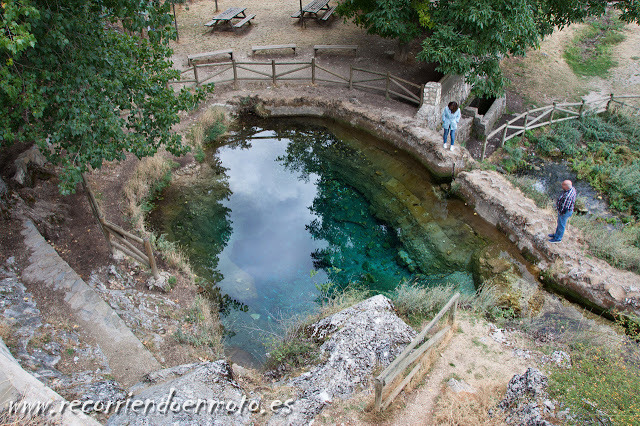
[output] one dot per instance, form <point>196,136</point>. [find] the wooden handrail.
<point>415,351</point>
<point>405,87</point>
<point>118,238</point>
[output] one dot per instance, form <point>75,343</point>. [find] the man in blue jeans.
<point>564,205</point>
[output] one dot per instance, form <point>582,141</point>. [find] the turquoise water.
<point>286,209</point>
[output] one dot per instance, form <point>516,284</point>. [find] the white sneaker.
<point>444,145</point>
<point>451,148</point>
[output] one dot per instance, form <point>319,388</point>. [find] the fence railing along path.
<point>555,113</point>
<point>310,71</point>
<point>120,239</point>
<point>418,353</point>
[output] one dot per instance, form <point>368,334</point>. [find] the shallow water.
<point>286,209</point>
<point>549,178</point>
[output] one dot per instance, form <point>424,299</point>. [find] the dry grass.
<point>202,330</point>
<point>470,408</point>
<point>5,331</point>
<point>198,136</point>
<point>140,187</point>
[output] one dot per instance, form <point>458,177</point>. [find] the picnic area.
<point>275,33</point>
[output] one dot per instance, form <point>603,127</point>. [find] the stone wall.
<point>483,124</point>
<point>437,95</point>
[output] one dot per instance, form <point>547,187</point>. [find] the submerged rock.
<point>496,268</point>
<point>356,341</point>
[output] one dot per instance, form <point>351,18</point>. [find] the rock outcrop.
<point>526,401</point>
<point>565,266</point>
<point>195,394</point>
<point>516,288</point>
<point>17,385</point>
<point>356,340</point>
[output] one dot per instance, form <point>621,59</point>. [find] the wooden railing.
<point>119,239</point>
<point>534,118</point>
<point>417,353</point>
<point>273,72</point>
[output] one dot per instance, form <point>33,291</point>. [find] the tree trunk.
<point>402,53</point>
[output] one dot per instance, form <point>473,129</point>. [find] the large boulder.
<point>208,385</point>
<point>356,341</point>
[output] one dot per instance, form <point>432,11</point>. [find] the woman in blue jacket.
<point>450,118</point>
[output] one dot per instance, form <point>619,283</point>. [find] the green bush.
<point>213,132</point>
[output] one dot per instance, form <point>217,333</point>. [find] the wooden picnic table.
<point>314,8</point>
<point>227,16</point>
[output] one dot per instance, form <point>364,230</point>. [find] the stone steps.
<point>128,359</point>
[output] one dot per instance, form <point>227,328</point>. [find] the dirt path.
<point>472,356</point>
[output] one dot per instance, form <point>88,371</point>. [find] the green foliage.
<point>526,185</point>
<point>470,38</point>
<point>590,54</point>
<point>601,387</point>
<point>214,131</point>
<point>515,157</point>
<point>199,155</point>
<point>293,354</point>
<point>604,150</point>
<point>83,90</point>
<point>386,18</point>
<point>156,188</point>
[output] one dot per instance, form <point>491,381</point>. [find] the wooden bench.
<point>207,56</point>
<point>296,15</point>
<point>328,14</point>
<point>244,21</point>
<point>254,49</point>
<point>335,47</point>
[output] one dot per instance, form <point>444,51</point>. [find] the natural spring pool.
<point>283,209</point>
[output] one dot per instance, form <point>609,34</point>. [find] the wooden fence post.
<point>553,111</point>
<point>235,74</point>
<point>454,312</point>
<point>524,130</point>
<point>195,74</point>
<point>504,135</point>
<point>484,148</point>
<point>581,110</point>
<point>313,70</point>
<point>609,102</point>
<point>273,71</point>
<point>377,405</point>
<point>388,82</point>
<point>152,260</point>
<point>96,212</point>
<point>350,77</point>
